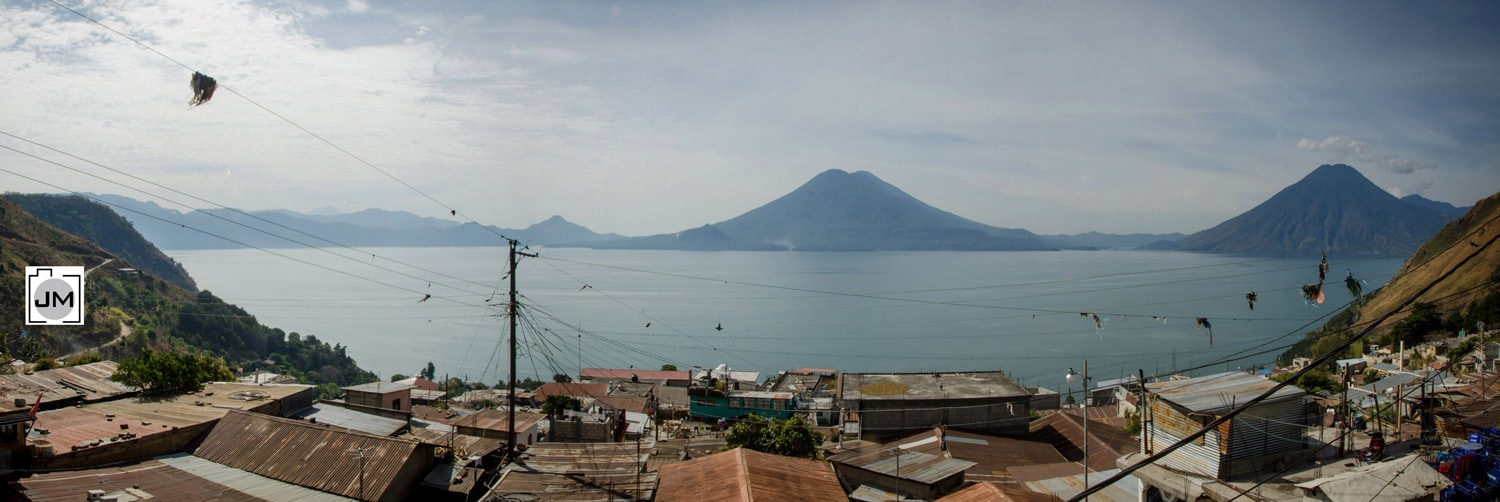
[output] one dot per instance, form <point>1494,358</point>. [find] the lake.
<point>858,312</point>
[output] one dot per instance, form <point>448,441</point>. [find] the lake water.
<point>860,312</point>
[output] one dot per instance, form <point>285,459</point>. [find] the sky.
<point>653,117</point>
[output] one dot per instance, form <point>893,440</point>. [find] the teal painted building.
<point>706,404</point>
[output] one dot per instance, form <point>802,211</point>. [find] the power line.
<point>1327,356</point>
<point>451,209</point>
<point>221,206</point>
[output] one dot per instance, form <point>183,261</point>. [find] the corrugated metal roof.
<point>245,482</point>
<point>1395,480</point>
<point>578,488</point>
<point>380,387</point>
<point>88,382</point>
<point>920,467</point>
<point>579,390</point>
<point>149,477</point>
<point>73,428</point>
<point>443,435</point>
<point>1064,431</point>
<point>1125,490</point>
<point>315,457</point>
<point>451,477</point>
<point>1217,393</point>
<point>991,492</point>
<point>991,456</point>
<point>495,420</point>
<point>174,477</point>
<point>581,471</point>
<point>338,416</point>
<point>746,475</point>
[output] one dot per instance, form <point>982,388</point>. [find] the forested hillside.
<point>100,225</point>
<point>131,312</point>
<point>1461,264</point>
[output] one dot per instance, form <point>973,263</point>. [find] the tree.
<point>430,372</point>
<point>561,378</point>
<point>398,377</point>
<point>164,373</point>
<point>556,403</point>
<point>669,367</point>
<point>791,437</point>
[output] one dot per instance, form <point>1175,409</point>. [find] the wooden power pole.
<point>510,388</point>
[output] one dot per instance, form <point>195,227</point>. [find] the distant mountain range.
<point>842,211</point>
<point>1098,240</point>
<point>172,229</point>
<point>1441,207</point>
<point>1332,209</point>
<point>97,224</point>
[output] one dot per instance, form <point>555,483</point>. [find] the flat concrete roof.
<point>963,385</point>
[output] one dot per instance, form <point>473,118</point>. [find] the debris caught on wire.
<point>203,89</point>
<point>424,298</point>
<point>1355,289</point>
<point>1312,293</point>
<point>1203,324</point>
<point>1250,298</point>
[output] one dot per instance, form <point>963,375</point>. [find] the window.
<point>396,405</point>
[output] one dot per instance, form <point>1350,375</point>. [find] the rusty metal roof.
<point>579,390</point>
<point>581,471</point>
<point>71,429</point>
<point>1215,394</point>
<point>88,382</point>
<point>746,475</point>
<point>98,422</point>
<point>989,457</point>
<point>443,435</point>
<point>575,487</point>
<point>992,492</point>
<point>495,420</point>
<point>627,403</point>
<point>315,457</point>
<point>1064,431</point>
<point>174,477</point>
<point>1125,490</point>
<point>433,414</point>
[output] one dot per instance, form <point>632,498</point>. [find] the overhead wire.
<point>451,209</point>
<point>1278,386</point>
<point>228,239</point>
<point>221,217</point>
<point>362,252</point>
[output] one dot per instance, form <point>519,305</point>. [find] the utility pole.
<point>1346,414</point>
<point>510,388</point>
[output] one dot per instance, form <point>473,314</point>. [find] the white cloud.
<point>635,120</point>
<point>1344,148</point>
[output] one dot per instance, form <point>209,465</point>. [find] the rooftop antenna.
<point>362,453</point>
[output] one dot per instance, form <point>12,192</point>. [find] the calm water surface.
<point>870,311</point>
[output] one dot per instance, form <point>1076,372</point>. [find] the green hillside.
<point>131,312</point>
<point>100,225</point>
<point>1456,301</point>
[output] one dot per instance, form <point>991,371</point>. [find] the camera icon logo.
<point>54,295</point>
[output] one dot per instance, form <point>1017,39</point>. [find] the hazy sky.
<point>641,118</point>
